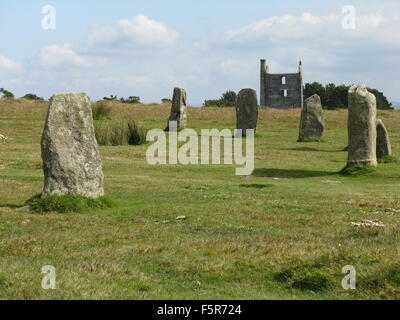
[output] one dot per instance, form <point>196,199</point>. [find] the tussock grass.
<point>68,203</point>
<point>119,133</point>
<point>101,111</point>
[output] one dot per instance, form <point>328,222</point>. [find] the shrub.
<point>227,99</point>
<point>166,100</point>
<point>67,203</point>
<point>31,96</point>
<point>101,111</point>
<point>117,133</point>
<point>6,93</point>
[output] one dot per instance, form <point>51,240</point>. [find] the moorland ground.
<point>283,233</point>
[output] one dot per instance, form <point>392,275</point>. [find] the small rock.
<point>180,218</point>
<point>391,210</point>
<point>25,222</point>
<point>27,208</point>
<point>368,224</point>
<point>331,181</point>
<point>3,137</point>
<point>2,166</point>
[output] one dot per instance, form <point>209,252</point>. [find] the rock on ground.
<point>71,158</point>
<point>362,127</point>
<point>246,110</point>
<point>383,147</point>
<point>312,119</point>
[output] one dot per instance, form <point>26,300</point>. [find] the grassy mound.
<point>387,159</point>
<point>305,278</point>
<point>356,171</point>
<point>67,203</point>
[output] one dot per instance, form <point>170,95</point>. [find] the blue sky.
<point>146,48</point>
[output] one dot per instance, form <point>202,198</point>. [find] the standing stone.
<point>312,119</point>
<point>246,110</point>
<point>383,147</point>
<point>362,127</point>
<point>71,158</point>
<point>178,108</point>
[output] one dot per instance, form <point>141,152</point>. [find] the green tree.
<point>6,93</point>
<point>229,97</point>
<point>333,97</point>
<point>381,101</point>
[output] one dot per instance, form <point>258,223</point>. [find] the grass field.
<point>283,233</point>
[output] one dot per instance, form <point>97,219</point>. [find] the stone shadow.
<point>290,173</point>
<point>312,149</point>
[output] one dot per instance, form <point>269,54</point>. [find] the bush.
<point>6,93</point>
<point>117,133</point>
<point>31,96</point>
<point>67,203</point>
<point>101,111</point>
<point>166,100</point>
<point>227,99</point>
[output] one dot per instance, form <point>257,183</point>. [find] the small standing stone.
<point>178,108</point>
<point>312,119</point>
<point>362,127</point>
<point>71,158</point>
<point>246,110</point>
<point>383,147</point>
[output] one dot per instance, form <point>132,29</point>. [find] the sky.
<point>145,48</point>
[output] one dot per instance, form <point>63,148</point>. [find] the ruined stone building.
<point>281,90</point>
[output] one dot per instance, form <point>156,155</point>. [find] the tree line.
<point>336,97</point>
<point>332,97</point>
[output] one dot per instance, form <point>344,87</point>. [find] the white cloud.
<point>138,30</point>
<point>314,29</point>
<point>54,55</point>
<point>9,65</point>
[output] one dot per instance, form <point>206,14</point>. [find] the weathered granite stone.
<point>246,110</point>
<point>178,108</point>
<point>383,147</point>
<point>362,127</point>
<point>71,159</point>
<point>312,119</point>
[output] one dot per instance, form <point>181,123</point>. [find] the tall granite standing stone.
<point>246,110</point>
<point>71,158</point>
<point>362,127</point>
<point>383,147</point>
<point>312,119</point>
<point>178,108</point>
